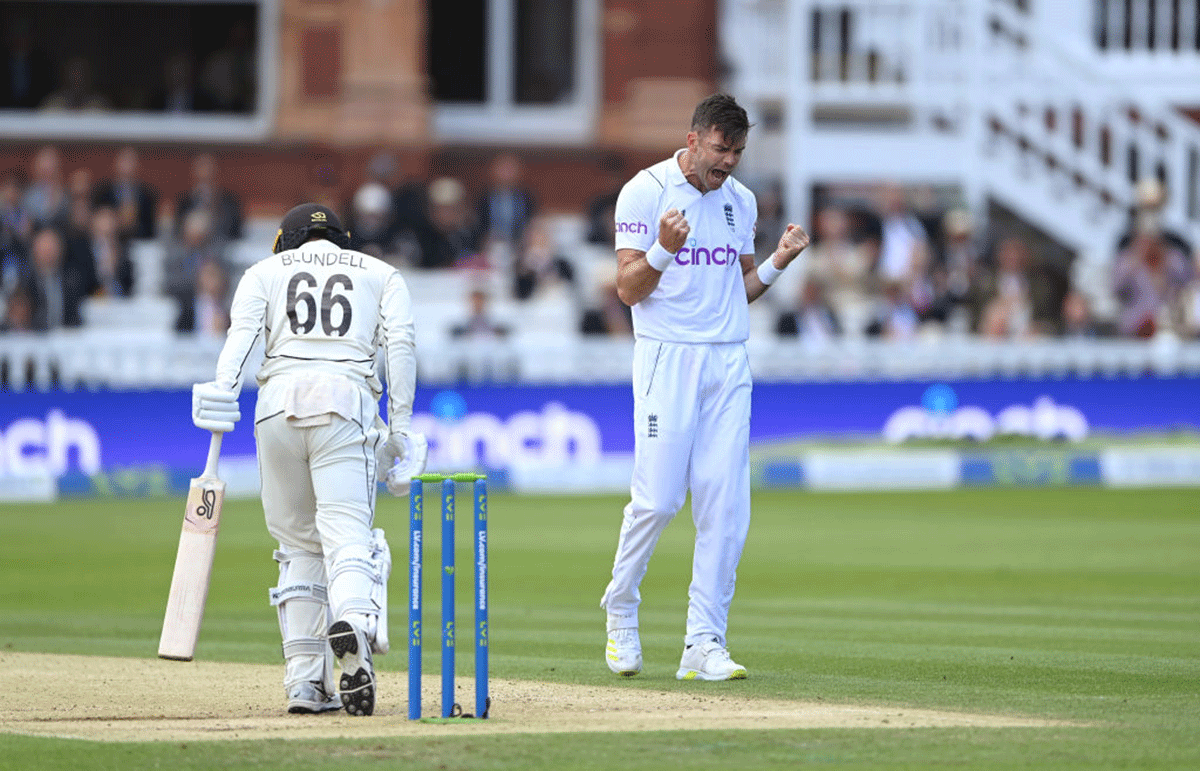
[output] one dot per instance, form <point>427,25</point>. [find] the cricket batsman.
<point>685,255</point>
<point>323,311</point>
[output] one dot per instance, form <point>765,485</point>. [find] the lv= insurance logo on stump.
<point>416,560</point>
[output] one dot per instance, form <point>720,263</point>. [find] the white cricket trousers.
<point>691,431</point>
<point>318,482</point>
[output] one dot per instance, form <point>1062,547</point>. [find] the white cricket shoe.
<point>310,698</point>
<point>357,686</point>
<point>709,661</point>
<point>624,652</point>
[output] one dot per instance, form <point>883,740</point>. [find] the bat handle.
<point>214,452</point>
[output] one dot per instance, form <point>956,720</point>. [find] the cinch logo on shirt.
<point>632,227</point>
<point>703,255</point>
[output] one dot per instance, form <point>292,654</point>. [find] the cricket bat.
<point>193,561</point>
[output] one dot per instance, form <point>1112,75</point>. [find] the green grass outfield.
<point>1081,604</point>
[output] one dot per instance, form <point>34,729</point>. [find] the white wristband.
<point>767,272</point>
<point>658,257</point>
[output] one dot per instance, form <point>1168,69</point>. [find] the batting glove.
<point>214,408</point>
<point>412,451</point>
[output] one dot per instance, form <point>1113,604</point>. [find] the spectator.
<point>1150,198</point>
<point>606,314</point>
<point>178,94</point>
<point>409,197</point>
<point>1078,323</point>
<point>842,270</point>
<point>451,237</point>
<point>961,258</point>
<point>210,310</point>
<point>135,201</point>
<point>903,237</point>
<point>25,72</point>
<point>79,191</point>
<point>18,311</point>
<point>602,210</point>
<point>812,319</point>
<point>15,229</point>
<point>1008,308</point>
<point>894,317</point>
<point>107,255</point>
<point>1190,303</point>
<point>1148,280</point>
<point>197,246</point>
<point>46,199</point>
<point>75,92</point>
<point>55,288</point>
<point>370,223</point>
<point>479,324</point>
<point>539,269</point>
<point>506,207</point>
<point>229,75</point>
<point>771,219</point>
<point>206,194</point>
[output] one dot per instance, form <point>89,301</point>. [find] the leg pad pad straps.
<point>358,576</point>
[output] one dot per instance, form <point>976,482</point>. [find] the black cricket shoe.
<point>357,686</point>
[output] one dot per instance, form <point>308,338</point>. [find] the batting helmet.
<point>302,221</point>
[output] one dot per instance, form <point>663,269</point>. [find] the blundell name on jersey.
<point>349,259</point>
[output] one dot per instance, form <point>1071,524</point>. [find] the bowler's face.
<point>713,157</point>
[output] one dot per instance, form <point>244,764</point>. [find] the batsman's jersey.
<point>701,297</point>
<point>325,311</point>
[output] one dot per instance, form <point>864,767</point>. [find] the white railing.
<point>1077,131</point>
<point>1040,117</point>
<point>79,360</point>
<point>1163,27</point>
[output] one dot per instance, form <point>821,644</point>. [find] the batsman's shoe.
<point>624,652</point>
<point>357,686</point>
<point>310,698</point>
<point>709,661</point>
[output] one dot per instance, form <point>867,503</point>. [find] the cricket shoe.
<point>709,661</point>
<point>357,686</point>
<point>310,698</point>
<point>624,652</point>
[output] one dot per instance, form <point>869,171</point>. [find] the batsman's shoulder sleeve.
<point>247,317</point>
<point>399,347</point>
<point>637,212</point>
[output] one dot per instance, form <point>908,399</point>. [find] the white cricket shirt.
<point>324,310</point>
<point>701,297</point>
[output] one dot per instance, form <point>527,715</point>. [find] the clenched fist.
<point>673,230</point>
<point>791,243</point>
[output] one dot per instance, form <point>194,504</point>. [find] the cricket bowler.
<point>323,311</point>
<point>685,255</point>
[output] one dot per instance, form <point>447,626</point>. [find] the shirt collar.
<point>675,174</point>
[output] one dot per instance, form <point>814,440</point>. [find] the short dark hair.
<point>723,113</point>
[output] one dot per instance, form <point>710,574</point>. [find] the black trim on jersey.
<point>661,184</point>
<point>654,369</point>
<point>318,358</point>
<point>247,356</point>
<point>268,417</point>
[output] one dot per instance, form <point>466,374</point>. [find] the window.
<point>126,69</point>
<point>513,70</point>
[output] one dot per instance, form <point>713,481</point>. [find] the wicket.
<point>416,500</point>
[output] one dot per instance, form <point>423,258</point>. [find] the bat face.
<point>193,568</point>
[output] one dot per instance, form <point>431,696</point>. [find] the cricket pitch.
<point>123,700</point>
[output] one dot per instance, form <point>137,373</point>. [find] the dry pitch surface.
<point>120,699</point>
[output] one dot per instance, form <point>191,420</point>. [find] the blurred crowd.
<point>65,237</point>
<point>898,266</point>
<point>893,264</point>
